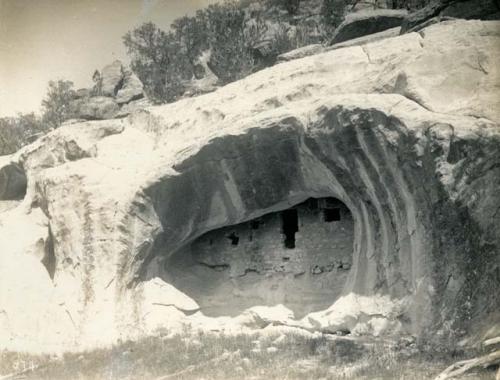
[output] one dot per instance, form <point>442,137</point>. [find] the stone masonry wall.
<point>236,267</point>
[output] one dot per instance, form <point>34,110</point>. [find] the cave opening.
<point>299,257</point>
<point>13,183</point>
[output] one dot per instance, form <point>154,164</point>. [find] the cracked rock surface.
<point>404,131</point>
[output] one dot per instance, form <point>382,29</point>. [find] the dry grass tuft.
<point>247,356</point>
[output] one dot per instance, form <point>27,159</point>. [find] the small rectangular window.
<point>331,214</point>
<point>235,239</point>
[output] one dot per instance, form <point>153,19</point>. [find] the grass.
<point>250,356</point>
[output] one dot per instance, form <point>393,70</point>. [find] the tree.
<point>231,57</point>
<point>191,32</point>
<point>56,104</point>
<point>97,79</point>
<point>15,132</point>
<point>158,60</point>
<point>333,12</point>
<point>166,61</point>
<point>292,6</point>
<point>411,5</point>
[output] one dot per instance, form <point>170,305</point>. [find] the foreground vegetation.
<point>275,355</point>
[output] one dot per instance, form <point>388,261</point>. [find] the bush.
<point>15,132</point>
<point>56,104</point>
<point>191,33</point>
<point>411,5</point>
<point>159,61</point>
<point>333,12</point>
<point>231,57</point>
<point>164,61</point>
<point>291,6</point>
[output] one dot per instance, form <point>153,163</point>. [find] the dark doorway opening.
<point>235,239</point>
<point>290,225</point>
<point>331,214</point>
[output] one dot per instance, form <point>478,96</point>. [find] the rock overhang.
<point>383,154</point>
<point>409,136</point>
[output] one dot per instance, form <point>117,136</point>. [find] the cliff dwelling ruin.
<point>299,257</point>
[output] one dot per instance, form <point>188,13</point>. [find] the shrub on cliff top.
<point>158,60</point>
<point>56,104</point>
<point>15,132</point>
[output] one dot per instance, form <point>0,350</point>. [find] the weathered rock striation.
<point>404,131</point>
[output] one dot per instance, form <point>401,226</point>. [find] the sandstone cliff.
<point>404,131</point>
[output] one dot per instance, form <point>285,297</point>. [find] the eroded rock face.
<point>390,129</point>
<point>368,22</point>
<point>317,49</point>
<point>438,9</point>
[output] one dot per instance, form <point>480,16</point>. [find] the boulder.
<point>358,315</point>
<point>83,93</point>
<point>262,316</point>
<point>301,52</point>
<point>466,9</point>
<point>111,78</point>
<point>132,89</point>
<point>367,22</point>
<point>134,105</point>
<point>95,108</point>
<point>205,79</point>
<point>360,41</point>
<point>364,5</point>
<point>429,22</point>
<point>159,293</point>
<point>317,48</point>
<point>121,93</point>
<point>266,50</point>
<point>473,9</point>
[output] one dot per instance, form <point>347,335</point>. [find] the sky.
<point>42,40</point>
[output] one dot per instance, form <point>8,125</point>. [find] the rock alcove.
<point>111,205</point>
<point>13,183</point>
<point>299,257</point>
